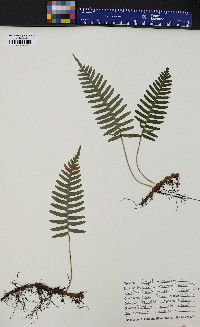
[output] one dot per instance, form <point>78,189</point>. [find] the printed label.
<point>159,299</point>
<point>21,40</point>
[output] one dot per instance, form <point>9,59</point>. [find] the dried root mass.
<point>41,296</point>
<point>168,187</point>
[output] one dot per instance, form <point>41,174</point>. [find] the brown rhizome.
<point>20,297</point>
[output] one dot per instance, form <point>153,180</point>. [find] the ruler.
<point>90,16</point>
<point>142,13</point>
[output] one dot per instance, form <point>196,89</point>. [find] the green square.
<point>53,20</point>
<point>63,3</point>
<point>67,21</point>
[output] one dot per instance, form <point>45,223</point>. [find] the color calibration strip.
<point>90,16</point>
<point>61,12</point>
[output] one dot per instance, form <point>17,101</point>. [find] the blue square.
<point>72,12</point>
<point>58,21</point>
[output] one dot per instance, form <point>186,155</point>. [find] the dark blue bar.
<point>89,16</point>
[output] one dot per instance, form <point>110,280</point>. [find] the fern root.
<point>20,297</point>
<point>158,186</point>
<point>169,187</point>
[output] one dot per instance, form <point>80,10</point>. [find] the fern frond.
<point>152,109</point>
<point>111,114</point>
<point>68,199</point>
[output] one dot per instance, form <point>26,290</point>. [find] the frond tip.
<point>68,199</point>
<point>111,114</point>
<point>152,109</point>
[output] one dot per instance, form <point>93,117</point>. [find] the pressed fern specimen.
<point>114,118</point>
<point>68,202</point>
<point>111,114</point>
<point>152,110</point>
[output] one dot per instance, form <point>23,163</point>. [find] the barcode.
<point>21,40</point>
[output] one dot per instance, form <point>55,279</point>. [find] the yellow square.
<point>63,21</point>
<point>48,16</point>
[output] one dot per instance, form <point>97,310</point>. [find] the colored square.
<point>61,12</point>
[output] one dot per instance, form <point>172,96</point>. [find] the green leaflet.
<point>67,200</point>
<point>60,235</point>
<point>153,107</point>
<point>112,115</point>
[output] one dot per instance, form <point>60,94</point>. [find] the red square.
<point>72,16</point>
<point>49,21</point>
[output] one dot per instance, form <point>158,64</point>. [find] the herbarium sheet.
<point>100,176</point>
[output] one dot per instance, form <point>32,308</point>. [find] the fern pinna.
<point>152,110</point>
<point>68,202</point>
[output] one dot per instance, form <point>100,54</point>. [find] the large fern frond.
<point>68,199</point>
<point>152,109</point>
<point>112,115</point>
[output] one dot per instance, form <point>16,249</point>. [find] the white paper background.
<point>44,119</point>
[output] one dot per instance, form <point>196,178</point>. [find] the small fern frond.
<point>111,114</point>
<point>153,108</point>
<point>68,199</point>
